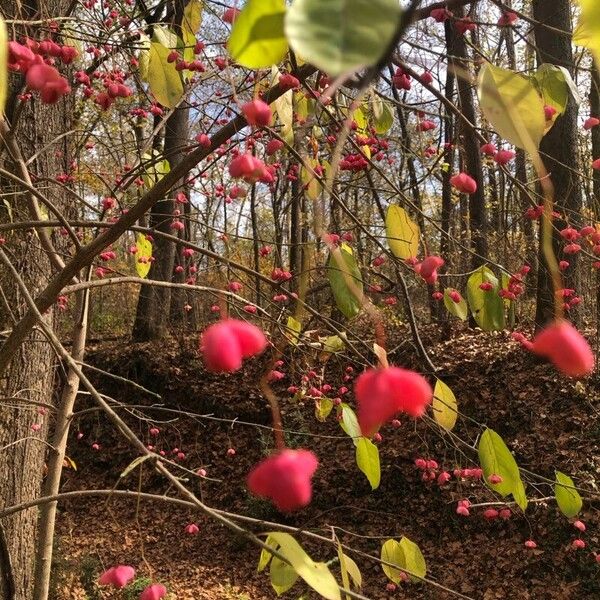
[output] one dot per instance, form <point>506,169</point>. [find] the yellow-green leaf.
<point>367,459</point>
<point>444,406</point>
<point>345,281</point>
<point>414,561</point>
<point>265,555</point>
<point>402,233</point>
<point>349,423</point>
<point>192,17</point>
<point>496,459</point>
<point>512,105</point>
<point>323,408</point>
<point>391,552</point>
<point>487,307</point>
<point>587,32</point>
<point>293,329</point>
<point>144,252</point>
<point>333,344</point>
<point>283,576</point>
<point>382,115</point>
<point>3,65</point>
<point>349,570</point>
<point>339,36</point>
<point>568,499</point>
<point>164,80</point>
<point>458,309</point>
<point>257,38</point>
<point>316,574</point>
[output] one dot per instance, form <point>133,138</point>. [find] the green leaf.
<point>414,561</point>
<point>156,168</point>
<point>316,574</point>
<point>333,344</point>
<point>345,299</point>
<point>496,459</point>
<point>144,252</point>
<point>513,106</point>
<point>568,499</point>
<point>167,37</point>
<point>444,406</point>
<point>257,38</point>
<point>283,576</point>
<point>348,567</point>
<point>555,84</point>
<point>391,552</point>
<point>339,36</point>
<point>383,116</point>
<point>164,80</point>
<point>293,329</point>
<point>402,233</point>
<point>486,307</point>
<point>349,423</point>
<point>367,459</point>
<point>192,17</point>
<point>265,555</point>
<point>459,309</point>
<point>3,65</point>
<point>323,407</point>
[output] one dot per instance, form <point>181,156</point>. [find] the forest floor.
<point>547,421</point>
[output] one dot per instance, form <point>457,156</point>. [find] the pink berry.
<point>579,525</point>
<point>530,544</point>
<point>578,544</point>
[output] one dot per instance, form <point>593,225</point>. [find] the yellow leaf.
<point>143,255</point>
<point>444,406</point>
<point>402,233</point>
<point>294,327</point>
<point>587,32</point>
<point>513,106</point>
<point>164,80</point>
<point>192,17</point>
<point>316,575</point>
<point>392,553</point>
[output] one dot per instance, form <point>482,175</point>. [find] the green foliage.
<point>192,17</point>
<point>340,275</point>
<point>487,307</point>
<point>144,251</point>
<point>257,38</point>
<point>444,406</point>
<point>513,106</point>
<point>323,408</point>
<point>496,459</point>
<point>402,233</point>
<point>568,499</point>
<point>339,36</point>
<point>383,117</point>
<point>587,32</point>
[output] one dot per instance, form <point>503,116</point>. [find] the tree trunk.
<point>559,146</point>
<point>30,376</point>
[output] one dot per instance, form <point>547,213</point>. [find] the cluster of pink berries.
<point>36,61</point>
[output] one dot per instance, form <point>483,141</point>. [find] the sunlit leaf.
<point>283,576</point>
<point>587,32</point>
<point>512,105</point>
<point>164,80</point>
<point>349,423</point>
<point>444,406</point>
<point>383,116</point>
<point>293,329</point>
<point>568,499</point>
<point>402,233</point>
<point>143,255</point>
<point>555,84</point>
<point>192,17</point>
<point>316,574</point>
<point>339,36</point>
<point>257,38</point>
<point>391,552</point>
<point>265,555</point>
<point>367,459</point>
<point>323,408</point>
<point>414,561</point>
